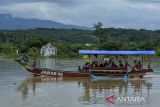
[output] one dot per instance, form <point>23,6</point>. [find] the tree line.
<point>69,41</point>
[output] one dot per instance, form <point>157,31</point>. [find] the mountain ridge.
<point>7,22</point>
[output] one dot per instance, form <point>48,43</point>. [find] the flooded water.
<point>20,89</point>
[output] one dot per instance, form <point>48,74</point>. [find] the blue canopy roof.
<point>105,52</point>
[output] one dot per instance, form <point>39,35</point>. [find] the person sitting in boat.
<point>106,63</point>
<point>94,64</point>
<point>139,65</point>
<point>18,59</point>
<point>101,64</point>
<point>86,67</point>
<point>109,64</point>
<point>113,64</point>
<point>34,62</point>
<point>25,58</point>
<point>135,66</point>
<point>121,64</point>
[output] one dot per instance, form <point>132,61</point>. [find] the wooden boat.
<point>97,71</point>
<point>118,71</point>
<point>57,73</point>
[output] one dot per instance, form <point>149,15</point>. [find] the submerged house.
<point>48,50</point>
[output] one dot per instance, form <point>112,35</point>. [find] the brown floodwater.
<point>20,89</point>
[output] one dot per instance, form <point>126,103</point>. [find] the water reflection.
<point>48,62</point>
<point>99,90</point>
<point>92,91</point>
<point>32,83</point>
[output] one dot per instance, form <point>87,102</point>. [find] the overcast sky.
<point>112,13</point>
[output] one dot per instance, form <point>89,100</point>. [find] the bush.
<point>8,50</point>
<point>158,52</point>
<point>33,52</point>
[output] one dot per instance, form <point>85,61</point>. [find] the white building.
<point>87,44</point>
<point>48,50</point>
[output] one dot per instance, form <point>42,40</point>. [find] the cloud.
<point>112,13</point>
<point>59,2</point>
<point>145,1</point>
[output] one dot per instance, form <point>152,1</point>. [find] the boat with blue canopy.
<point>109,68</point>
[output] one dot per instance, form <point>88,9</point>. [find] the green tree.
<point>99,32</point>
<point>158,52</point>
<point>33,52</point>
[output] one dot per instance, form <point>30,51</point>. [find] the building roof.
<point>48,44</point>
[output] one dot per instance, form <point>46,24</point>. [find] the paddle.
<point>125,78</point>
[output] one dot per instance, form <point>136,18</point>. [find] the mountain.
<point>7,22</point>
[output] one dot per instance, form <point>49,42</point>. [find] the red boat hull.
<point>93,71</point>
<point>57,73</point>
